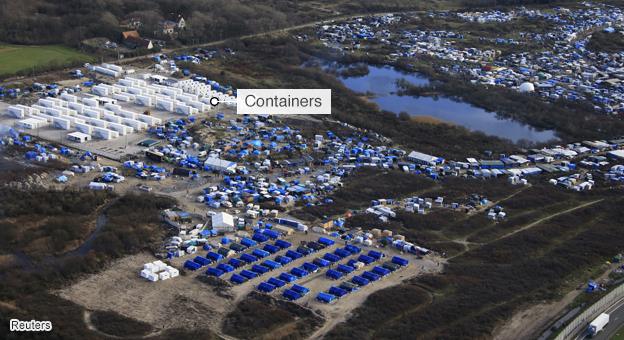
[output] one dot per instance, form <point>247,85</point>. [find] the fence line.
<point>590,313</point>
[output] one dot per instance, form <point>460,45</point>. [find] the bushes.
<point>118,325</point>
<point>485,286</point>
<point>258,315</point>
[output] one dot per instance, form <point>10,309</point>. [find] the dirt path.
<point>546,218</point>
<point>467,244</point>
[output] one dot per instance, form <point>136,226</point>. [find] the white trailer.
<point>100,90</point>
<point>46,102</point>
<point>144,100</point>
<point>73,120</point>
<point>112,107</point>
<point>16,112</point>
<point>121,97</point>
<point>84,128</point>
<point>111,117</point>
<point>130,96</point>
<point>166,105</point>
<point>95,121</point>
<point>61,123</point>
<point>136,90</point>
<point>104,133</point>
<point>201,107</point>
<point>598,324</point>
<point>42,116</point>
<point>106,71</point>
<point>32,123</point>
<point>137,125</point>
<point>128,82</point>
<point>53,112</point>
<point>185,109</point>
<point>126,114</point>
<point>113,67</point>
<point>70,98</point>
<point>91,113</point>
<point>90,102</point>
<point>149,120</point>
<point>76,106</point>
<point>120,128</point>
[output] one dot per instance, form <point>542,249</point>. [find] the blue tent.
<point>325,297</point>
<point>266,287</point>
<point>291,294</point>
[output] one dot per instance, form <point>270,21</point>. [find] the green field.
<point>17,59</point>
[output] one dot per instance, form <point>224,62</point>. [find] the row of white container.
<point>109,70</point>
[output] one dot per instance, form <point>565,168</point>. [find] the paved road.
<point>616,321</point>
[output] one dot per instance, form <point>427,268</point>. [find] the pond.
<point>381,81</point>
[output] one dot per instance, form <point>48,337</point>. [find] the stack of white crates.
<point>158,270</point>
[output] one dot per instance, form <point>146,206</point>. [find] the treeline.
<point>71,21</point>
<point>489,3</point>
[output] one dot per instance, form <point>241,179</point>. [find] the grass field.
<point>16,59</point>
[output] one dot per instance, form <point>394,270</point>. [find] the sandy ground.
<point>178,302</point>
<point>187,302</point>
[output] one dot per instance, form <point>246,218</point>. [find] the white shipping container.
<point>76,106</point>
<point>61,123</point>
<point>69,98</point>
<point>137,125</point>
<point>122,129</point>
<point>144,100</point>
<point>90,102</point>
<point>111,117</point>
<point>126,114</point>
<point>84,128</point>
<point>121,97</point>
<point>46,102</point>
<point>149,120</point>
<point>165,105</point>
<point>16,112</point>
<point>104,133</point>
<point>106,71</point>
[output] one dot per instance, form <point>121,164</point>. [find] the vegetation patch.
<point>24,60</point>
<point>118,325</point>
<point>260,316</point>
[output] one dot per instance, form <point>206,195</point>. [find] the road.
<point>616,321</point>
<point>260,34</point>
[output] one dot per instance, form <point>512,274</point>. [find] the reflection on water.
<point>381,81</point>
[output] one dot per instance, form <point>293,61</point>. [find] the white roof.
<point>31,121</point>
<point>222,219</point>
<point>617,153</point>
<point>422,156</point>
<point>79,135</point>
<point>219,163</point>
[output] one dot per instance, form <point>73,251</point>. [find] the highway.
<point>616,320</point>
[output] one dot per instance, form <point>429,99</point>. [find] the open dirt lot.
<point>185,301</point>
